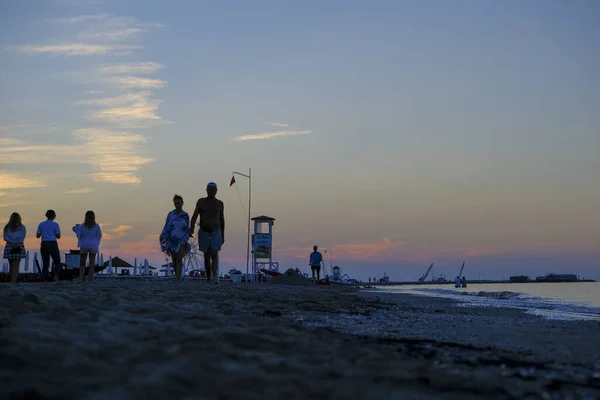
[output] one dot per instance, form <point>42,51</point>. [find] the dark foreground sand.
<point>190,340</point>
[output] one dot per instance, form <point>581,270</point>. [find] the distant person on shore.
<point>175,234</point>
<point>463,282</point>
<point>211,235</point>
<point>14,250</point>
<point>89,236</point>
<point>315,263</point>
<point>49,231</point>
<point>457,282</point>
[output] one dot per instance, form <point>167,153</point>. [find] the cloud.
<point>17,151</point>
<point>21,130</point>
<point>278,124</point>
<point>82,18</point>
<point>75,49</point>
<point>15,180</point>
<point>79,191</point>
<point>134,82</point>
<point>2,194</point>
<point>270,135</point>
<point>10,204</point>
<point>114,154</point>
<point>365,251</point>
<point>146,67</point>
<point>114,233</point>
<point>128,110</point>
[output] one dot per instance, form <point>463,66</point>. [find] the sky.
<point>394,134</point>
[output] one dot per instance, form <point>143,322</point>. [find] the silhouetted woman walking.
<point>175,234</point>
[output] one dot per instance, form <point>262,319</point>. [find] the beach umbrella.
<point>27,261</point>
<point>35,263</point>
<point>146,266</point>
<point>135,267</point>
<point>110,265</point>
<point>102,259</point>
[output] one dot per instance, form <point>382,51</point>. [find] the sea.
<point>561,301</point>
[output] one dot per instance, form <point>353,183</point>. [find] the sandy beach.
<point>154,339</point>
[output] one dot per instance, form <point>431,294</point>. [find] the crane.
<point>461,269</point>
<point>422,279</point>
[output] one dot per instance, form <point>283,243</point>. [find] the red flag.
<point>232,181</point>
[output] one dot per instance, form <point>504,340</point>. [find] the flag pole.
<point>249,204</point>
<point>249,176</point>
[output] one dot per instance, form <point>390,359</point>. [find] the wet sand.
<point>190,340</point>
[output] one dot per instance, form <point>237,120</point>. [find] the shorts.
<point>210,242</point>
<point>87,250</point>
<point>315,267</point>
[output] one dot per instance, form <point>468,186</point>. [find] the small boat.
<point>269,272</point>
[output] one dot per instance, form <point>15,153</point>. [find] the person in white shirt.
<point>49,231</point>
<point>14,251</point>
<point>89,236</point>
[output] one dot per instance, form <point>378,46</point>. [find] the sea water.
<point>577,300</point>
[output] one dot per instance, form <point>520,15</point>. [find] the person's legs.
<point>91,271</point>
<point>13,271</point>
<point>45,252</point>
<point>214,256</point>
<point>204,247</point>
<point>178,261</point>
<point>313,270</point>
<point>318,273</point>
<point>216,242</point>
<point>208,266</point>
<point>82,260</point>
<point>55,254</point>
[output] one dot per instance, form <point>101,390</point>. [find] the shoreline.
<point>167,339</point>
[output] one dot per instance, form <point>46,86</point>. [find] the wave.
<point>547,307</point>
<point>505,295</point>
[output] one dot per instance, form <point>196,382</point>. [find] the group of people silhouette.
<point>89,236</point>
<point>177,230</point>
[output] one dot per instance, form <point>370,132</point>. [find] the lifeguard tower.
<point>262,245</point>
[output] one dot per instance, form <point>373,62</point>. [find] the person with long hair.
<point>175,234</point>
<point>89,236</point>
<point>49,231</point>
<point>14,251</point>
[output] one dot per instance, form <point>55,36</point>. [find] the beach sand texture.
<point>154,339</point>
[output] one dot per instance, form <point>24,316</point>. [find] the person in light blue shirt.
<point>315,263</point>
<point>49,231</point>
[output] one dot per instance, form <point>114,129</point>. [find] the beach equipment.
<point>27,261</point>
<point>236,276</point>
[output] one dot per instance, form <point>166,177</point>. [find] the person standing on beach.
<point>49,231</point>
<point>175,234</point>
<point>315,263</point>
<point>211,235</point>
<point>89,236</point>
<point>14,251</point>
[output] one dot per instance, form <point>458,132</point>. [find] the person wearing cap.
<point>211,234</point>
<point>49,231</point>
